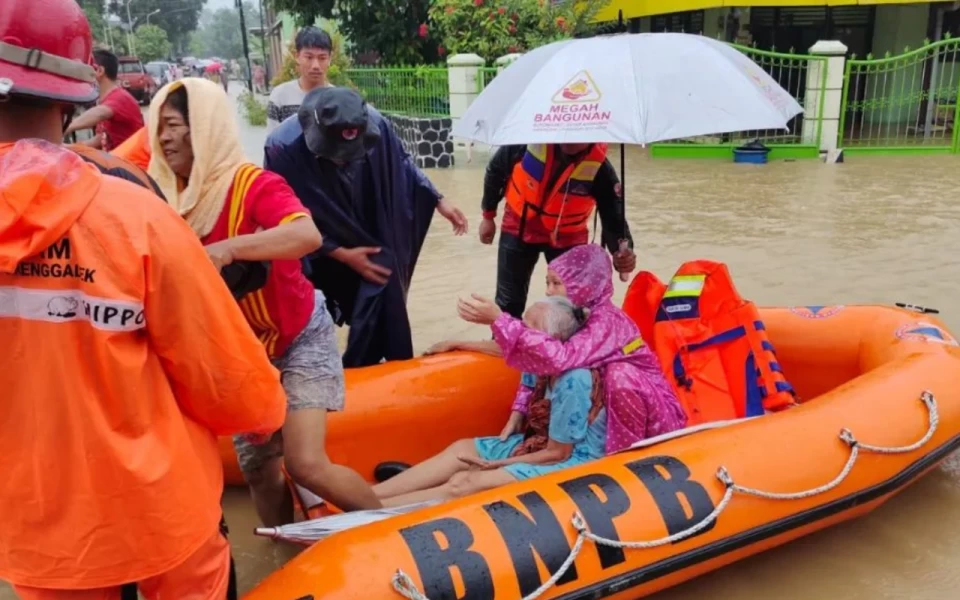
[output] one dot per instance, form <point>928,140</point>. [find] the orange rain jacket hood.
<point>124,357</point>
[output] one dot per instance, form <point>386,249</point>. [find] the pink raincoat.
<point>640,402</point>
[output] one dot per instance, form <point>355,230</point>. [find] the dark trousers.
<point>516,260</point>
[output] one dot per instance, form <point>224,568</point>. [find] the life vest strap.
<point>721,338</point>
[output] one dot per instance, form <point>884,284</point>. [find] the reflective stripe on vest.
<point>567,207</point>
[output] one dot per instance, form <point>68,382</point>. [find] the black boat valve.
<point>920,309</point>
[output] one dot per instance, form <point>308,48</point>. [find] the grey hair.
<point>562,318</point>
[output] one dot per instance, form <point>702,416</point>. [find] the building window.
<point>681,22</point>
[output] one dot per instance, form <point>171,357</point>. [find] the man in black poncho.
<point>373,207</point>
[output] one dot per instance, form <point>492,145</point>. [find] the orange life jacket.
<point>711,343</point>
<point>566,208</point>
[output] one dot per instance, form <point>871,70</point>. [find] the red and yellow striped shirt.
<point>280,310</point>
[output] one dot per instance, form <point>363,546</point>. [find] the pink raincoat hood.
<point>640,402</point>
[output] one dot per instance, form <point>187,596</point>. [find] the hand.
<point>479,463</point>
<point>514,423</point>
<point>454,215</point>
<point>488,230</point>
<point>441,347</point>
<point>358,259</point>
<point>220,253</point>
<point>624,260</point>
<point>478,310</point>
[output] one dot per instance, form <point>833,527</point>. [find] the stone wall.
<point>427,140</point>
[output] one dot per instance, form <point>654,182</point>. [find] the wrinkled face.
<point>573,149</point>
<point>175,141</point>
<point>313,63</point>
<point>555,285</point>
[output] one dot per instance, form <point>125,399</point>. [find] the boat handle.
<point>405,586</point>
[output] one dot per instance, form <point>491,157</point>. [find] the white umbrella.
<point>626,89</point>
<point>309,532</point>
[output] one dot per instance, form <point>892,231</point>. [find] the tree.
<point>177,17</point>
<point>493,28</point>
<point>219,33</point>
<point>94,11</point>
<point>378,30</point>
<point>152,43</point>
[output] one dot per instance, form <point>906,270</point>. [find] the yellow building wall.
<point>647,8</point>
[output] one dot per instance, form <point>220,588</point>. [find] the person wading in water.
<point>124,355</point>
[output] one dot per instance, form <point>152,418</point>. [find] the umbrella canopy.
<point>314,530</point>
<point>626,89</point>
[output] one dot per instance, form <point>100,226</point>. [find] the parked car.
<point>134,78</point>
<point>162,72</point>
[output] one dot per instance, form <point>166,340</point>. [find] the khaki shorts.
<point>311,371</point>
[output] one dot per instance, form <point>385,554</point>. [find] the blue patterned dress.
<point>569,407</point>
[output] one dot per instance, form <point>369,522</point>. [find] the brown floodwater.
<point>881,230</point>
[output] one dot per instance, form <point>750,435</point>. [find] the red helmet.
<point>45,51</point>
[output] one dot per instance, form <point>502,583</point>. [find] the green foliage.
<point>493,28</point>
<point>339,62</point>
<point>220,34</point>
<point>414,91</point>
<point>178,18</point>
<point>253,109</point>
<point>378,30</point>
<point>152,43</point>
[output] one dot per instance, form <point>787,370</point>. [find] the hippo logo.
<point>62,307</point>
<point>816,312</point>
<point>926,332</point>
<point>580,88</point>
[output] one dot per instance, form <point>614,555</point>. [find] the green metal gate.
<point>802,75</point>
<point>903,104</point>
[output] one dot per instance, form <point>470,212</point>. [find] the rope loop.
<point>405,586</point>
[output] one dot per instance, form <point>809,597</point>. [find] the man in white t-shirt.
<point>314,49</point>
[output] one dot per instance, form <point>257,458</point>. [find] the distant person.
<point>108,446</point>
<point>117,114</point>
<point>314,49</point>
<point>372,205</point>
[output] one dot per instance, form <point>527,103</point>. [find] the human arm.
<point>484,347</point>
<point>90,118</point>
<point>570,406</point>
<point>273,115</point>
<point>286,231</point>
<point>217,368</point>
<point>531,350</point>
<point>497,176</point>
<point>609,195</point>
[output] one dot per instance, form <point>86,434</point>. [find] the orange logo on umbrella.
<point>581,88</point>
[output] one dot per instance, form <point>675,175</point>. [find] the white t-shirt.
<point>285,101</point>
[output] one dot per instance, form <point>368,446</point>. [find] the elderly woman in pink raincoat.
<point>582,395</point>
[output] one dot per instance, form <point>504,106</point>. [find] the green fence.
<point>795,73</point>
<point>905,103</point>
<point>409,91</point>
<point>485,76</point>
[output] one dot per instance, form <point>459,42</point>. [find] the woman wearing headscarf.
<point>243,213</point>
<point>640,401</point>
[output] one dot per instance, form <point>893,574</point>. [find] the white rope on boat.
<point>404,585</point>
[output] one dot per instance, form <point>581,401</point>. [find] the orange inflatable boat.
<point>880,392</point>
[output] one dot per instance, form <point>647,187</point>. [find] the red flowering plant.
<point>493,28</point>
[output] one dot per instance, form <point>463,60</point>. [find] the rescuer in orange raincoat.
<point>125,355</point>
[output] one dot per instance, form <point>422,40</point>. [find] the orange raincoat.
<point>124,356</point>
<point>135,149</point>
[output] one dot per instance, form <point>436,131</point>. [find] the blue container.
<point>752,156</point>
